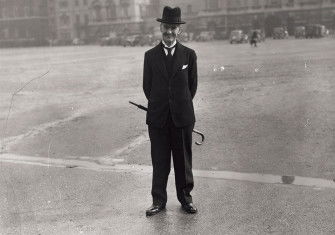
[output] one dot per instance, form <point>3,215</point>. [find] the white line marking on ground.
<point>143,169</point>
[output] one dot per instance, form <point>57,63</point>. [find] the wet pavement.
<point>77,155</point>
<point>63,200</point>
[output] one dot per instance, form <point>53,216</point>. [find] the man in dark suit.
<point>169,84</point>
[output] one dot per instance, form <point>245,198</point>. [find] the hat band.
<point>172,19</point>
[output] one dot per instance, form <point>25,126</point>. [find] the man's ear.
<point>180,29</point>
<point>161,28</point>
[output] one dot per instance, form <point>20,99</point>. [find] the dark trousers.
<point>178,141</point>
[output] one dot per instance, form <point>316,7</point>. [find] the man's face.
<point>169,32</point>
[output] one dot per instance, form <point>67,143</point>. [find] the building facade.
<point>23,22</point>
<point>121,16</point>
<point>37,21</point>
<point>265,14</point>
<point>71,18</point>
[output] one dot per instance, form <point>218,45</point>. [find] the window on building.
<point>234,5</point>
<point>12,32</point>
<point>255,4</point>
<point>26,11</point>
<point>2,34</point>
<point>125,2</point>
<point>76,2</point>
<point>310,2</point>
<point>22,33</point>
<point>20,11</point>
<point>96,8</point>
<point>85,2</point>
<point>246,4</point>
<point>86,19</point>
<point>212,4</point>
<point>63,4</point>
<point>273,4</point>
<point>111,9</point>
<point>143,10</point>
<point>64,19</point>
<point>290,3</point>
<point>97,13</point>
<point>125,5</point>
<point>77,19</point>
<point>65,35</point>
<point>189,9</point>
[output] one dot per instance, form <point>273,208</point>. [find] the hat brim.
<point>169,22</point>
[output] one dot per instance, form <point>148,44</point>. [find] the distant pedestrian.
<point>254,39</point>
<point>169,84</point>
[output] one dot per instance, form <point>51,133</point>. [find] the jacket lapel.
<point>160,60</point>
<point>178,58</point>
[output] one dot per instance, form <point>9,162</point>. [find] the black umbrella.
<point>194,130</point>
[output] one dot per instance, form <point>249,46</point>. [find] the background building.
<point>34,22</point>
<point>23,22</point>
<point>121,16</point>
<point>265,14</point>
<point>71,19</point>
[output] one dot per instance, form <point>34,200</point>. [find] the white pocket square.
<point>184,66</point>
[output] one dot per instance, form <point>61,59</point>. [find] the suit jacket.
<point>170,94</point>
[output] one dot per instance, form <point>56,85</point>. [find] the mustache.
<point>169,34</point>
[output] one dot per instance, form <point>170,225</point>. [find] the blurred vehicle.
<point>237,36</point>
<point>260,34</point>
<point>112,40</point>
<point>300,32</point>
<point>315,31</point>
<point>143,40</point>
<point>205,36</point>
<point>129,40</point>
<point>279,33</point>
<point>77,42</point>
<point>190,36</point>
<point>183,37</point>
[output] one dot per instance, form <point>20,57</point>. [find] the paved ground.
<point>267,112</point>
<point>70,200</point>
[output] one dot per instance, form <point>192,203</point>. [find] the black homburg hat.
<point>171,16</point>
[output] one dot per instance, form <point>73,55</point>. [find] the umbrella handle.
<point>202,137</point>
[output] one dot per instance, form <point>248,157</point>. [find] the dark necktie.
<point>169,49</point>
<point>169,59</point>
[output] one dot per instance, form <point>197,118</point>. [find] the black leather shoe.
<point>189,208</point>
<point>154,209</point>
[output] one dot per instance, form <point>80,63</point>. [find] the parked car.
<point>129,40</point>
<point>143,40</point>
<point>183,37</point>
<point>77,42</point>
<point>315,31</point>
<point>300,32</point>
<point>112,40</point>
<point>205,36</point>
<point>237,36</point>
<point>279,33</point>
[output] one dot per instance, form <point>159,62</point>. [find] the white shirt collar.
<point>172,45</point>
